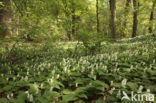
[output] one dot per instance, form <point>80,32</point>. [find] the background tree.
<point>64,19</point>
<point>113,18</point>
<point>126,13</point>
<point>135,18</point>
<point>152,17</point>
<point>5,18</point>
<point>97,15</point>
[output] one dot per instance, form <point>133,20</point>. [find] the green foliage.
<point>36,75</point>
<point>38,20</point>
<point>91,41</point>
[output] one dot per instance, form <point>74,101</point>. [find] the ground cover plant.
<point>53,76</point>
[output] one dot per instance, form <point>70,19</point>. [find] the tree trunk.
<point>97,16</point>
<point>67,22</point>
<point>151,18</point>
<point>126,12</point>
<point>68,35</point>
<point>73,23</point>
<point>135,18</point>
<point>113,18</point>
<point>73,19</point>
<point>5,19</point>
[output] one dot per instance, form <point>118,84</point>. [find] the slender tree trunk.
<point>151,18</point>
<point>5,19</point>
<point>67,21</point>
<point>126,12</point>
<point>97,16</point>
<point>73,19</point>
<point>68,35</point>
<point>113,18</point>
<point>73,22</point>
<point>135,18</point>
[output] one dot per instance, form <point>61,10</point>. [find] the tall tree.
<point>73,20</point>
<point>152,17</point>
<point>97,15</point>
<point>113,18</point>
<point>5,18</point>
<point>126,12</point>
<point>135,18</point>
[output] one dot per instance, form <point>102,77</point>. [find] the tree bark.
<point>97,16</point>
<point>126,12</point>
<point>135,18</point>
<point>73,22</point>
<point>5,19</point>
<point>113,18</point>
<point>73,17</point>
<point>151,18</point>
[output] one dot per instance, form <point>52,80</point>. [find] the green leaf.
<point>68,98</point>
<point>118,85</point>
<point>98,83</point>
<point>152,88</point>
<point>132,85</point>
<point>42,100</point>
<point>101,101</point>
<point>83,96</point>
<point>21,97</point>
<point>3,100</point>
<point>112,98</point>
<point>67,91</point>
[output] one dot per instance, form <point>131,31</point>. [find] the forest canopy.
<point>70,19</point>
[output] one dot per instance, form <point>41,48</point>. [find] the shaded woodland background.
<point>71,20</point>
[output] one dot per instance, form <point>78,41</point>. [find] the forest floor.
<point>45,73</point>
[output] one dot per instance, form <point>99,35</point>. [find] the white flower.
<point>51,88</point>
<point>41,85</point>
<point>26,78</point>
<point>65,69</point>
<point>58,76</point>
<point>7,79</point>
<point>14,78</point>
<point>12,95</point>
<point>31,98</point>
<point>148,90</point>
<point>76,84</point>
<point>140,89</point>
<point>131,67</point>
<point>95,77</point>
<point>124,82</point>
<point>38,73</point>
<point>2,75</point>
<point>111,83</point>
<point>119,93</point>
<point>145,69</point>
<point>92,72</point>
<point>112,90</point>
<point>26,92</point>
<point>18,75</point>
<point>27,73</point>
<point>8,96</point>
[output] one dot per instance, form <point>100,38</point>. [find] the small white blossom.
<point>123,83</point>
<point>140,89</point>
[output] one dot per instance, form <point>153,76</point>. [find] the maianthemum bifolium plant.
<point>36,75</point>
